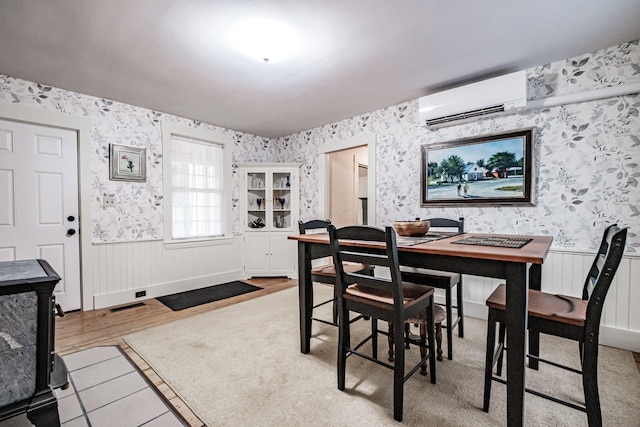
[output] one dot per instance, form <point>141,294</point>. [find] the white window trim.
<point>170,129</point>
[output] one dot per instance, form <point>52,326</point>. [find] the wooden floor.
<point>81,330</point>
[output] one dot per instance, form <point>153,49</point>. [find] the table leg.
<point>516,320</point>
<point>535,283</point>
<point>305,295</point>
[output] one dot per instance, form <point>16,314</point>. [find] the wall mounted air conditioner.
<point>462,104</point>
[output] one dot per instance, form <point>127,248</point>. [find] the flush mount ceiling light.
<point>265,40</point>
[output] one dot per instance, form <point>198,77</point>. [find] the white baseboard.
<point>620,338</point>
<point>162,289</point>
<point>478,311</point>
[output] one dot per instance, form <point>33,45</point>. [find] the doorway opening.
<point>347,181</point>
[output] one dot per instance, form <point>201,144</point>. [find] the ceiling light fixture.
<point>265,40</point>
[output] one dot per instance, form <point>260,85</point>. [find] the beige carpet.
<point>241,365</point>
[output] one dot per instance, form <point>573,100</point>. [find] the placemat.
<point>503,242</point>
<point>429,237</point>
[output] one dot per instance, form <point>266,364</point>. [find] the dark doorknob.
<point>71,218</point>
<point>71,232</point>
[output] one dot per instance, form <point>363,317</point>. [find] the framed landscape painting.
<point>484,170</point>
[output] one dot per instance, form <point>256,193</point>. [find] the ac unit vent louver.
<point>460,104</point>
<point>465,115</point>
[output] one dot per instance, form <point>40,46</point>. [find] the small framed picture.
<point>127,163</point>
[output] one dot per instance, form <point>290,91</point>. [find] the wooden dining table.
<point>520,268</point>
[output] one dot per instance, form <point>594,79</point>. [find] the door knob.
<point>71,232</point>
<point>71,218</point>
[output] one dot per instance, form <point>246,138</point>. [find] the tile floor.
<point>107,390</point>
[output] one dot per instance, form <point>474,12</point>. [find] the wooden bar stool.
<point>573,318</point>
<point>443,280</point>
<point>326,274</point>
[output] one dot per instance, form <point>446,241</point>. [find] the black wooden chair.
<point>326,274</point>
<point>443,280</point>
<point>577,319</point>
<point>389,300</point>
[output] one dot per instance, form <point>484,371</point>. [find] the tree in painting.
<point>453,167</point>
<point>502,161</point>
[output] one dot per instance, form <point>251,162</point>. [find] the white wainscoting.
<point>119,270</point>
<point>564,272</point>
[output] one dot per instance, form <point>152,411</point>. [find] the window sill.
<point>194,243</point>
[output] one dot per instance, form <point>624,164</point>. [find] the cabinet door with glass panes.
<point>269,197</point>
<point>268,215</point>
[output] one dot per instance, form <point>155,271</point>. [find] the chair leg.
<point>407,334</point>
<point>431,341</point>
<point>423,340</point>
<point>390,339</point>
<point>398,373</point>
<point>343,344</point>
<point>460,305</point>
<point>423,343</point>
<point>501,334</point>
<point>374,337</point>
<point>590,384</point>
<point>449,312</point>
<point>488,364</point>
<point>335,305</point>
<point>439,340</point>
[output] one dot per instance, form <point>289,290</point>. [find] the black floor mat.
<point>195,297</point>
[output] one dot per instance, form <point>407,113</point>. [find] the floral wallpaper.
<point>588,155</point>
<point>138,214</point>
<point>587,172</point>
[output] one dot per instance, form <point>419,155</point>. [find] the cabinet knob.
<point>71,232</point>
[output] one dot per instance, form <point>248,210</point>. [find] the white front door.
<point>39,202</point>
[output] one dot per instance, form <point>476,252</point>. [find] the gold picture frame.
<point>127,163</point>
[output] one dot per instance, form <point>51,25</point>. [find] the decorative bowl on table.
<point>415,228</point>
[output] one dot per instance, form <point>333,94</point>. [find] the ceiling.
<point>357,56</point>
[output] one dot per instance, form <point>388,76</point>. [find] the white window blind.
<point>197,171</point>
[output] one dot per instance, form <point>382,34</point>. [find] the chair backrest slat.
<point>599,261</point>
<point>369,281</point>
<point>313,225</point>
<point>446,223</point>
<point>598,265</point>
<point>601,275</point>
<point>365,258</point>
<point>382,257</point>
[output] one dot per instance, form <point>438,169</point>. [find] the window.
<point>197,183</point>
<point>196,188</point>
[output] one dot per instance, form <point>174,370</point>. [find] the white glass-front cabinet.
<point>268,215</point>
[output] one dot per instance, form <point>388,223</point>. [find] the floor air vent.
<point>126,307</point>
